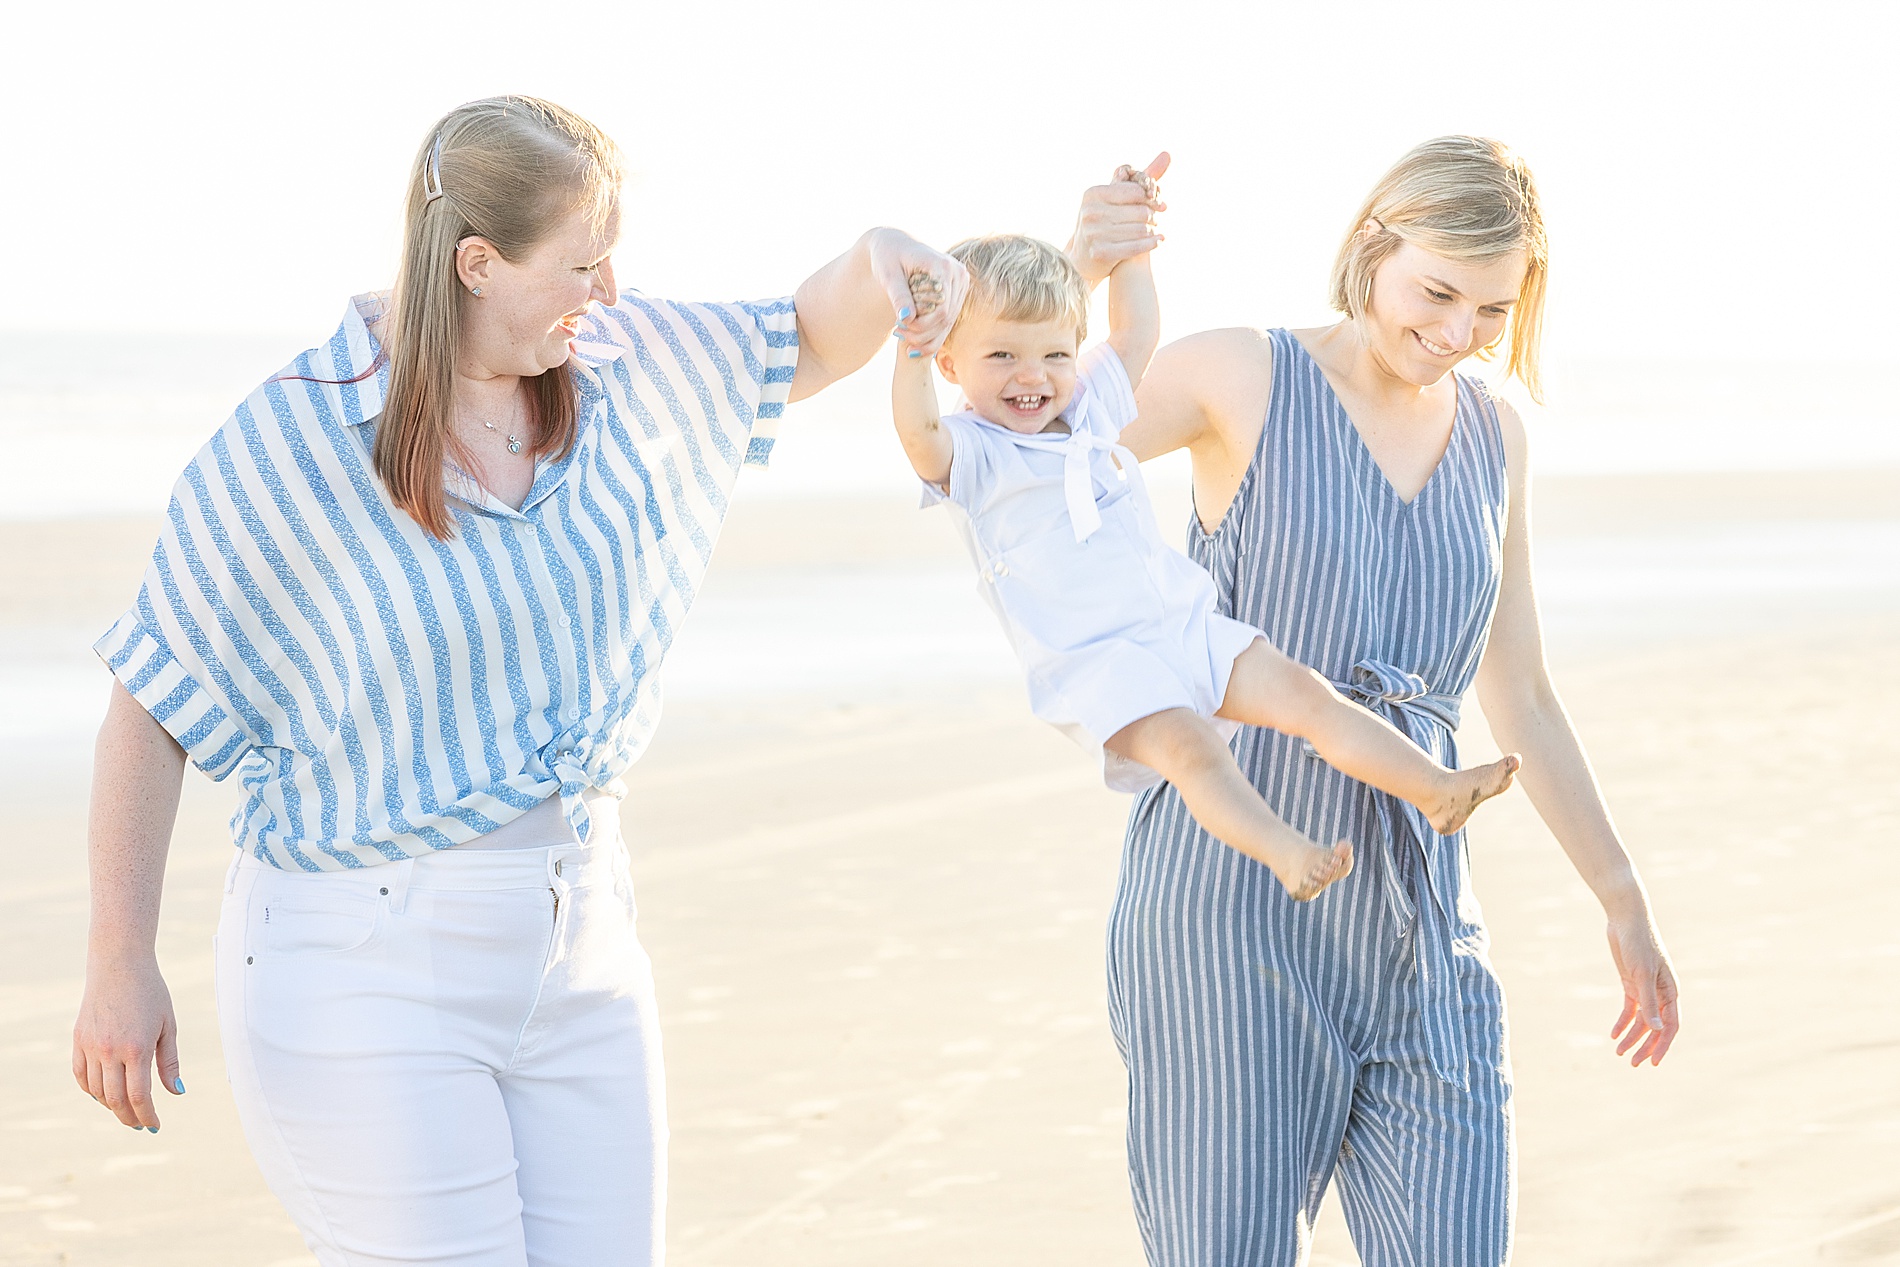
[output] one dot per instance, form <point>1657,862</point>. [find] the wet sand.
<point>877,912</point>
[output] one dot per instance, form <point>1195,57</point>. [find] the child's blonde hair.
<point>1466,198</point>
<point>1017,278</point>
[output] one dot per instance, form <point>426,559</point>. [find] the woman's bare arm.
<point>126,1020</point>
<point>1206,393</point>
<point>846,308</point>
<point>1527,717</point>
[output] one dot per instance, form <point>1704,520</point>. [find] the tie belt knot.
<point>1374,682</point>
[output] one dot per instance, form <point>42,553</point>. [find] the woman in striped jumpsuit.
<point>1363,504</point>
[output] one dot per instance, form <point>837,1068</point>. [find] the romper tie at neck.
<point>1078,490</point>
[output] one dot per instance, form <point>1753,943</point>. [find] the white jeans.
<point>450,1060</point>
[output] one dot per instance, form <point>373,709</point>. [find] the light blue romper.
<point>1272,1045</point>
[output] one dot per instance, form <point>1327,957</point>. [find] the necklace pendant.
<point>514,444</point>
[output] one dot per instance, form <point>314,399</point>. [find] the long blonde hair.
<point>1466,198</point>
<point>509,170</point>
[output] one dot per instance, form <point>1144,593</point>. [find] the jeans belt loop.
<point>398,887</point>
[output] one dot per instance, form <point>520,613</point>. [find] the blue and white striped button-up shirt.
<point>384,694</point>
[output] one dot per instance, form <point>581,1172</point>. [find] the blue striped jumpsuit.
<point>1274,1046</point>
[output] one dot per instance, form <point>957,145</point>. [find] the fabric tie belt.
<point>568,763</point>
<point>1409,703</point>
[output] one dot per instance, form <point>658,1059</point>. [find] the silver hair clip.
<point>432,174</point>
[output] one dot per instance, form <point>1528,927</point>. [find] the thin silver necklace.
<point>514,441</point>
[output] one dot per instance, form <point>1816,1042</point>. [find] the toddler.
<point>1117,633</point>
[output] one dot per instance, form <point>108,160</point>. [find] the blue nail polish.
<point>178,1085</point>
<point>915,352</point>
<point>903,314</point>
<point>152,1129</point>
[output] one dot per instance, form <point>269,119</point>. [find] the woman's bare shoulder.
<point>1230,371</point>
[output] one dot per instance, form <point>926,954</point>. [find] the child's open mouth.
<point>1027,406</point>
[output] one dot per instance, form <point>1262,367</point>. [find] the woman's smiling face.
<point>1429,312</point>
<point>530,308</point>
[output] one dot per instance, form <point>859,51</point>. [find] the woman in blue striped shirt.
<point>415,594</point>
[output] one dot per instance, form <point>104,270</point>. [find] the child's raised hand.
<point>926,289</point>
<point>1116,221</point>
<point>1150,183</point>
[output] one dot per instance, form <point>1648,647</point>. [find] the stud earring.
<point>478,292</point>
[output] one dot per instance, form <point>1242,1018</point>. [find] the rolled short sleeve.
<point>142,661</point>
<point>721,370</point>
<point>1107,380</point>
<point>777,325</point>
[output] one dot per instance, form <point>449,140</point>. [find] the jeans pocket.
<point>315,919</point>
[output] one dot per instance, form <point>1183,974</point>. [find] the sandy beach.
<point>876,898</point>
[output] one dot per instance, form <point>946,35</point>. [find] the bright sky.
<point>1720,179</point>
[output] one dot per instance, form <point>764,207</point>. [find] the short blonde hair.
<point>1466,198</point>
<point>1017,278</point>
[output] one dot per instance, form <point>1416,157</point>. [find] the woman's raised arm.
<point>846,309</point>
<point>126,1020</point>
<point>1526,716</point>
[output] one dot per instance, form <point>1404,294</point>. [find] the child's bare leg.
<point>1268,689</point>
<point>1186,750</point>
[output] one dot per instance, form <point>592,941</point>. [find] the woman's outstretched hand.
<point>926,288</point>
<point>1117,222</point>
<point>125,1024</point>
<point>1649,1021</point>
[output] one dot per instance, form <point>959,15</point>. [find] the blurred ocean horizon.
<point>100,427</point>
<point>102,424</point>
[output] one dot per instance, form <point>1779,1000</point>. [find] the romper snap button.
<point>384,892</point>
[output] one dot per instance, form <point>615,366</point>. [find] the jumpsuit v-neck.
<point>1273,1046</point>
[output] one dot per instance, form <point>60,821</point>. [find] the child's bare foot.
<point>1318,868</point>
<point>1465,790</point>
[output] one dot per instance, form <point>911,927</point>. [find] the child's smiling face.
<point>1016,374</point>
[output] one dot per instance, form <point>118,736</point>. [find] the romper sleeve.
<point>972,466</point>
<point>1107,379</point>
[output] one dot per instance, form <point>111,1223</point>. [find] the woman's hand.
<point>1649,1021</point>
<point>125,1023</point>
<point>1116,223</point>
<point>846,307</point>
<point>926,289</point>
